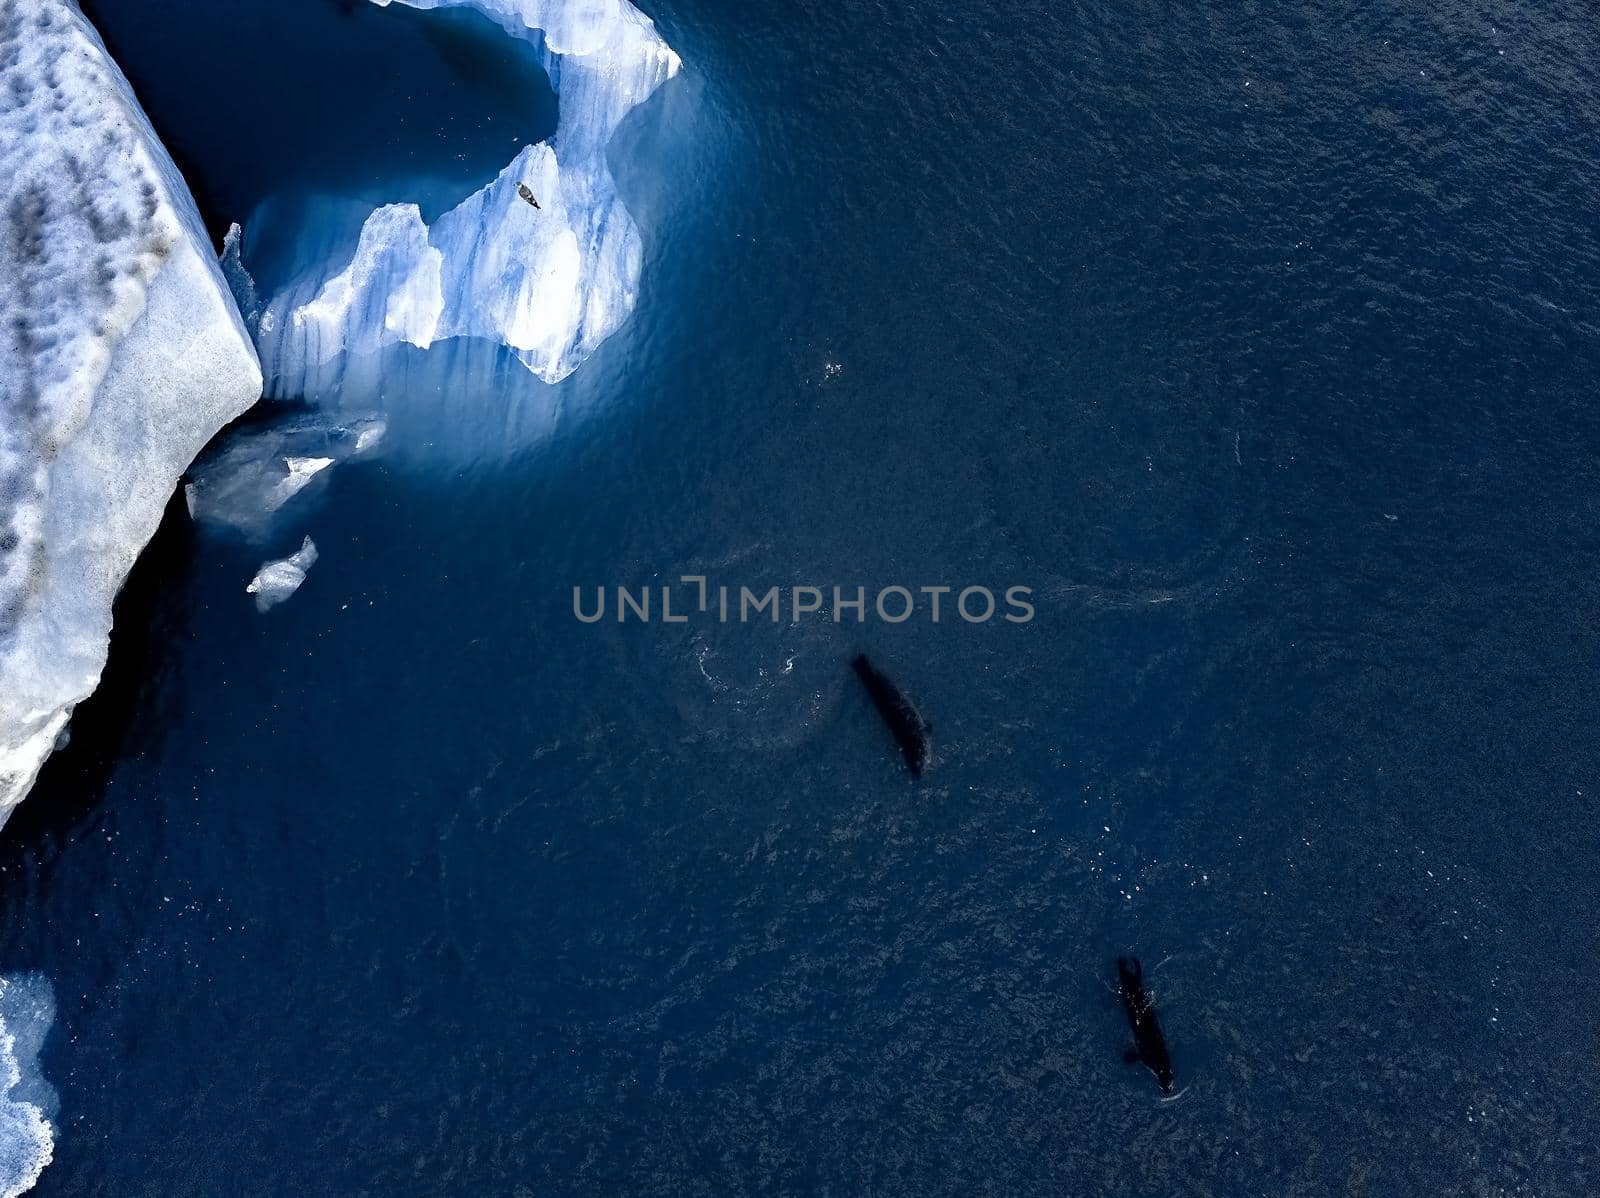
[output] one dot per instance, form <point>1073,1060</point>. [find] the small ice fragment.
<point>301,472</point>
<point>278,581</point>
<point>370,434</point>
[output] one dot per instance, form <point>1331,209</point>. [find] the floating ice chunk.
<point>277,581</point>
<point>551,282</point>
<point>370,435</point>
<point>28,1103</point>
<point>121,355</point>
<point>301,472</point>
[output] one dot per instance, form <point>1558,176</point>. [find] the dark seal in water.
<point>1149,1045</point>
<point>910,730</point>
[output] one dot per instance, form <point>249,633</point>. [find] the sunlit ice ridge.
<point>549,282</point>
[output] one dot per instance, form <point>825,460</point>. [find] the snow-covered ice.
<point>550,282</point>
<point>276,582</point>
<point>121,354</point>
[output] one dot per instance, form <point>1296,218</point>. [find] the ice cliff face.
<point>121,354</point>
<point>550,282</point>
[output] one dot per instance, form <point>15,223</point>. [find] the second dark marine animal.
<point>1149,1045</point>
<point>911,731</point>
<point>526,193</point>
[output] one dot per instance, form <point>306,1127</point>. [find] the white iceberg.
<point>276,582</point>
<point>550,282</point>
<point>121,355</point>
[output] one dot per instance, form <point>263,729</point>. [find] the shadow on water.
<point>150,630</point>
<point>444,95</point>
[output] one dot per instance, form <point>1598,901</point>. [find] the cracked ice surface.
<point>551,283</point>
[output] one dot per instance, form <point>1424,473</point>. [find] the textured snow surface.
<point>550,282</point>
<point>121,354</point>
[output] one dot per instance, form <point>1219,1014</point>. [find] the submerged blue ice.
<point>549,282</point>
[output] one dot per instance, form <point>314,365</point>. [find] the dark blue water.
<point>1259,340</point>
